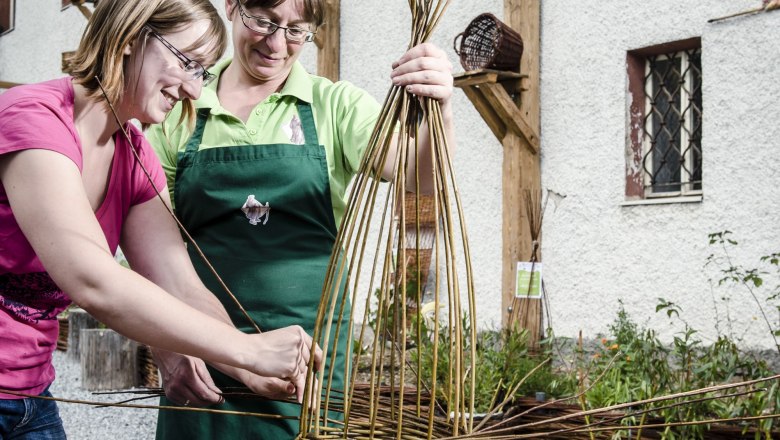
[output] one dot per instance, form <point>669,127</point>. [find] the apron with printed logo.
<point>262,215</point>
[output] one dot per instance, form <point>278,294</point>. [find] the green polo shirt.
<point>344,115</point>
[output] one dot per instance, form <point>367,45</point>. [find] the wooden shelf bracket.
<point>485,90</point>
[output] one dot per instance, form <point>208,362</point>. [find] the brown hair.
<point>313,10</point>
<point>117,23</point>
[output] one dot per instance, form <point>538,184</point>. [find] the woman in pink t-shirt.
<point>72,190</point>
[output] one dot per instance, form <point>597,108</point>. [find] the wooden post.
<point>78,319</point>
<point>8,84</point>
<point>62,337</point>
<point>522,167</point>
<point>86,12</point>
<point>108,360</point>
<point>328,40</point>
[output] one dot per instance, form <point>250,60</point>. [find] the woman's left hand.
<point>424,70</point>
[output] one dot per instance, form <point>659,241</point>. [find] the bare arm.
<point>47,196</point>
<point>424,70</point>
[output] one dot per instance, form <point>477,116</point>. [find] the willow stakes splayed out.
<point>390,265</point>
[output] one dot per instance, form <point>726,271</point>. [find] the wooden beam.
<point>475,77</point>
<point>328,41</point>
<point>506,109</point>
<point>497,126</point>
<point>522,169</point>
<point>8,84</point>
<point>86,12</point>
<point>487,90</point>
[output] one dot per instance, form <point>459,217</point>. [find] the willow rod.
<point>158,407</point>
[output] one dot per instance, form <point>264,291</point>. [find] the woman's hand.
<point>424,70</point>
<point>186,380</point>
<point>284,354</point>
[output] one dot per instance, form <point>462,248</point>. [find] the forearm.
<point>144,312</point>
<point>445,140</point>
<point>420,166</point>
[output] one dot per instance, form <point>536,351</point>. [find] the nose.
<point>192,88</point>
<point>276,41</point>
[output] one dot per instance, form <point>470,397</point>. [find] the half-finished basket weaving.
<point>488,43</point>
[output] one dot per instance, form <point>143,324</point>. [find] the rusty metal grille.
<point>672,124</point>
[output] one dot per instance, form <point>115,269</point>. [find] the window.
<point>665,121</point>
<point>6,16</point>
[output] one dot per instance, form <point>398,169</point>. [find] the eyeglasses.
<point>265,26</point>
<point>191,67</point>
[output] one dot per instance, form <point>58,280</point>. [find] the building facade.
<point>658,129</point>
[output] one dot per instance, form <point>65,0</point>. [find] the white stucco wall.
<point>594,250</point>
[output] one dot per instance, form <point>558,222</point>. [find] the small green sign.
<point>529,280</point>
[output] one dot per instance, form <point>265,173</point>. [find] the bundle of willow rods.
<point>375,415</point>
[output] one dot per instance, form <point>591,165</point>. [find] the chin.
<point>151,119</point>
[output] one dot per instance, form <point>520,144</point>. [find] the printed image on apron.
<point>255,210</point>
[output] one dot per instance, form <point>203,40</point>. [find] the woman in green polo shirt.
<point>259,181</point>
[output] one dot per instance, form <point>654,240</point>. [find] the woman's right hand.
<point>285,353</point>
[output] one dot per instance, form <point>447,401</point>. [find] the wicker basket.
<point>488,43</point>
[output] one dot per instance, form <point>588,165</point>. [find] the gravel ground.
<point>86,422</point>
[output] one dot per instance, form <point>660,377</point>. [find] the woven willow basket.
<point>488,43</point>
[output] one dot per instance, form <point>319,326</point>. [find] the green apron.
<point>275,265</point>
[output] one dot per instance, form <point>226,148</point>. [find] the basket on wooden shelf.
<point>488,43</point>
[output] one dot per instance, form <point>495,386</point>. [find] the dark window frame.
<point>7,16</point>
<point>638,183</point>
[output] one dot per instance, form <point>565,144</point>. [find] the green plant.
<point>751,280</point>
<point>503,360</point>
<point>384,317</point>
<point>634,365</point>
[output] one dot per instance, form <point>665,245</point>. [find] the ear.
<point>229,7</point>
<point>128,49</point>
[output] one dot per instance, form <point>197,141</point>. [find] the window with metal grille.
<point>666,119</point>
<point>6,16</point>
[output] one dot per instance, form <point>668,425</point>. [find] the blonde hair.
<point>115,24</point>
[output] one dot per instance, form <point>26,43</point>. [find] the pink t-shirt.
<point>40,116</point>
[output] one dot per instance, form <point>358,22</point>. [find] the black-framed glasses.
<point>265,26</point>
<point>191,67</point>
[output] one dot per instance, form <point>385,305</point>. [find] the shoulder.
<point>38,116</point>
<point>341,95</point>
<point>55,94</point>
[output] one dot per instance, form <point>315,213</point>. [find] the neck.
<point>234,78</point>
<point>93,119</point>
